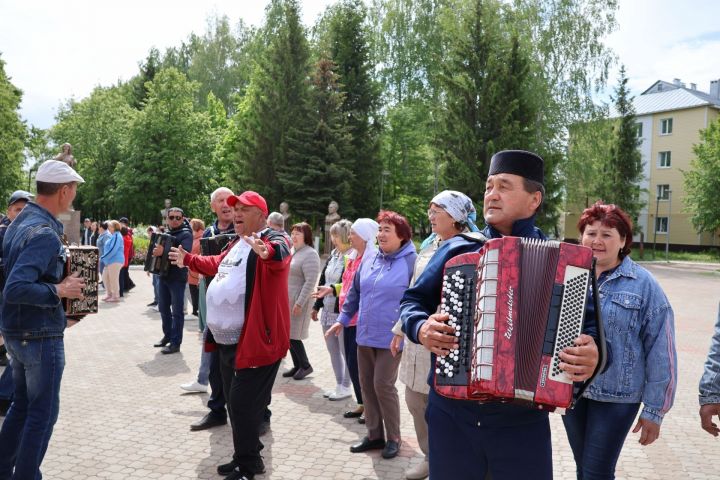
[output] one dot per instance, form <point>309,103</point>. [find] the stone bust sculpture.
<point>332,217</point>
<point>164,211</point>
<point>66,155</point>
<point>285,211</point>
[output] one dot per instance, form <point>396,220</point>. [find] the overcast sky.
<point>58,49</point>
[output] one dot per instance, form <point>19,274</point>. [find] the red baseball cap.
<point>249,198</point>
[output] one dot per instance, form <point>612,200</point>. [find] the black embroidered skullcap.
<point>518,162</point>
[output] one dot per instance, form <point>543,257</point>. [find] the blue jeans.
<point>596,432</point>
<point>156,288</point>
<point>171,303</point>
<point>7,386</point>
<point>37,371</point>
<point>203,376</point>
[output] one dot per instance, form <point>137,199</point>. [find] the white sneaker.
<point>340,393</point>
<point>194,387</point>
<point>328,393</point>
<point>419,471</point>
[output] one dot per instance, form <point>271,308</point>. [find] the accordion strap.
<point>473,237</point>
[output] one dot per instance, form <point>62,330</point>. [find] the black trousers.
<point>194,295</point>
<point>126,282</point>
<point>298,354</point>
<point>248,393</point>
<point>351,360</point>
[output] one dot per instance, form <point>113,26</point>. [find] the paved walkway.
<point>122,415</point>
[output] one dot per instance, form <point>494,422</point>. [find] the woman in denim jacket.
<point>639,324</point>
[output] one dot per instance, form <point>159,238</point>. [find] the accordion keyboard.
<point>457,301</point>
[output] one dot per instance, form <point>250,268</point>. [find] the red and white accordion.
<point>515,305</point>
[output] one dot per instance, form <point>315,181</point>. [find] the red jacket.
<point>265,336</point>
<point>128,248</point>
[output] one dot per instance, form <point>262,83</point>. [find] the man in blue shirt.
<point>468,439</point>
<point>17,202</point>
<point>33,319</point>
<point>710,386</point>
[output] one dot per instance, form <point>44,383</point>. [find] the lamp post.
<point>667,230</point>
<point>655,227</point>
<point>385,173</point>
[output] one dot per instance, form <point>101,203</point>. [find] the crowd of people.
<point>377,299</point>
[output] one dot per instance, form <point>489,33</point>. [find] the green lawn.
<point>707,256</point>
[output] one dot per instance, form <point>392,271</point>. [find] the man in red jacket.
<point>248,317</point>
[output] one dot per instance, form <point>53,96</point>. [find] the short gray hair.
<point>276,219</point>
<point>218,191</point>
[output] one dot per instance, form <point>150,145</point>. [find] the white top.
<point>225,296</point>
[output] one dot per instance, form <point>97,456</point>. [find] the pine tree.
<point>276,102</point>
<point>318,170</point>
<point>350,52</point>
<point>488,104</point>
<point>623,172</point>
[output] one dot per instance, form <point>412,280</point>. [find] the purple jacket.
<point>375,295</point>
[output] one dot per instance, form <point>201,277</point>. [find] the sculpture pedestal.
<point>71,226</point>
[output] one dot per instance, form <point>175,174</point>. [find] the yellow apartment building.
<point>669,119</point>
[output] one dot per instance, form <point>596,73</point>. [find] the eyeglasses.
<point>173,217</point>
<point>434,213</point>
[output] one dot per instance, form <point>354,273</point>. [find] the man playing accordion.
<point>469,439</point>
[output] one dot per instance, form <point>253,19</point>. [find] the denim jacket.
<point>34,259</point>
<point>710,381</point>
<point>639,323</point>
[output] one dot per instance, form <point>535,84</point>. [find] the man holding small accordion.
<point>469,439</point>
<point>172,281</point>
<point>33,319</point>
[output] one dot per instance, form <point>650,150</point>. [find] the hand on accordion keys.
<point>580,361</point>
<point>437,336</point>
<point>72,286</point>
<point>177,256</point>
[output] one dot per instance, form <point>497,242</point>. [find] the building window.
<point>661,224</point>
<point>666,126</point>
<point>664,159</point>
<point>663,191</point>
<point>638,129</point>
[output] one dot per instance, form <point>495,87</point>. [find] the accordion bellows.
<point>515,305</point>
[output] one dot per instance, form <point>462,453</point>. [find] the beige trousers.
<point>417,404</point>
<point>111,279</point>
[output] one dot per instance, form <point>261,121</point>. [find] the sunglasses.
<point>173,217</point>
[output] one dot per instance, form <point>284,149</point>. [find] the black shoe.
<point>209,421</point>
<point>302,373</point>
<point>152,304</point>
<point>264,428</point>
<point>237,474</point>
<point>164,341</point>
<point>368,444</point>
<point>226,468</point>
<point>170,349</point>
<point>392,448</point>
<point>291,372</point>
<point>361,420</point>
<point>353,413</point>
